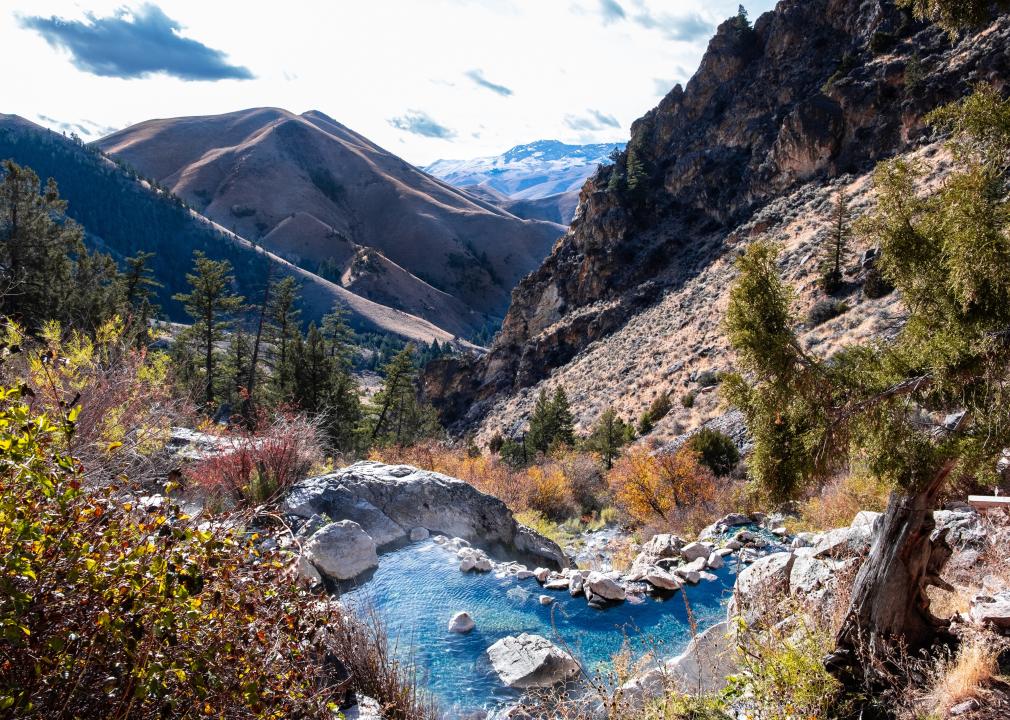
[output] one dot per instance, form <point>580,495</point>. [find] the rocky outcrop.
<point>341,551</point>
<point>806,96</point>
<point>531,661</point>
<point>388,501</point>
<point>702,668</point>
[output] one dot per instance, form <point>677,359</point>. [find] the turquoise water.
<point>416,589</point>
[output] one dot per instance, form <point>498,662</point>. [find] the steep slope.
<point>123,215</point>
<point>528,172</point>
<point>256,169</point>
<point>817,90</point>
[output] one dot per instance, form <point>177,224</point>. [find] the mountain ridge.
<point>253,169</point>
<point>809,94</point>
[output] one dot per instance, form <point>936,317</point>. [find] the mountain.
<point>777,119</point>
<point>329,200</point>
<point>546,171</point>
<point>123,215</point>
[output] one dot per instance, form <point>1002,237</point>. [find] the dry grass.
<point>839,500</point>
<point>967,674</point>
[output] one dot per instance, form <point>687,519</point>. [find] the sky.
<point>426,79</point>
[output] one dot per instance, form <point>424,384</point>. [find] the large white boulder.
<point>341,550</point>
<point>602,586</point>
<point>531,661</point>
<point>706,663</point>
<point>991,610</point>
<point>765,581</point>
<point>695,550</point>
<point>390,500</point>
<point>657,577</point>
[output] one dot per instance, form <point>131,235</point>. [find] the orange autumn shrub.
<point>672,490</point>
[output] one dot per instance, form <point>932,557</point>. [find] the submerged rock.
<point>341,551</point>
<point>531,661</point>
<point>389,500</point>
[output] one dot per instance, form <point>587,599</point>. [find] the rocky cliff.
<point>804,102</point>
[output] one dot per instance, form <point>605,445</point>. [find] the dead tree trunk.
<point>889,607</point>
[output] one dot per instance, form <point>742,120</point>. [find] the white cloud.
<point>365,63</point>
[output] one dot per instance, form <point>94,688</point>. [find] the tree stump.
<point>889,610</point>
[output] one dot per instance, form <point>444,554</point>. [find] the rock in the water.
<point>576,581</point>
<point>524,575</point>
<point>341,550</point>
<point>696,550</point>
<point>991,610</point>
<point>558,583</point>
<point>461,623</point>
<point>531,661</point>
<point>658,577</point>
<point>546,600</point>
<point>388,499</point>
<point>473,559</point>
<point>715,560</point>
<point>604,587</point>
<point>419,533</point>
<point>541,574</point>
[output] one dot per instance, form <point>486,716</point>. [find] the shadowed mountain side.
<point>122,215</point>
<point>254,169</point>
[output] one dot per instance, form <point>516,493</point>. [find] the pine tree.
<point>954,15</point>
<point>636,175</point>
<point>210,303</point>
<point>837,249</point>
<point>609,435</point>
<point>396,416</point>
<point>139,287</point>
<point>45,270</point>
<point>947,253</point>
<point>742,21</point>
<point>283,315</point>
<point>551,422</point>
<point>338,335</point>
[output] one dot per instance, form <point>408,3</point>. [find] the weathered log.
<point>889,608</point>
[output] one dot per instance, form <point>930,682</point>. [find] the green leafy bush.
<point>716,450</point>
<point>687,399</point>
<point>110,607</point>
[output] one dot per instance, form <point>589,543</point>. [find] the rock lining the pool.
<point>391,503</point>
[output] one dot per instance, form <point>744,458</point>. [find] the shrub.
<point>881,42</point>
<point>783,674</point>
<point>650,487</point>
<point>111,610</point>
<point>658,409</point>
<point>968,673</point>
<point>824,310</point>
<point>716,451</point>
<point>119,394</point>
<point>260,464</point>
<point>549,492</point>
<point>875,285</point>
<point>838,501</point>
<point>687,399</point>
<point>709,378</point>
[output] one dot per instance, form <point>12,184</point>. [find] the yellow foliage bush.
<point>673,490</point>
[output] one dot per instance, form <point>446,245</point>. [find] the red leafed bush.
<point>259,464</point>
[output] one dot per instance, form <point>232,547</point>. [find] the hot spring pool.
<point>416,589</point>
